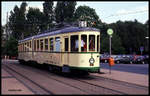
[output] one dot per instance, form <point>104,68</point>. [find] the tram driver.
<point>82,44</point>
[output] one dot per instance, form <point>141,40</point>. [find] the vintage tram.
<point>66,49</point>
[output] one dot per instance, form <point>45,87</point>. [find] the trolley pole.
<point>110,32</point>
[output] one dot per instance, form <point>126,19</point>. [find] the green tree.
<point>35,19</point>
<point>10,47</point>
<point>132,34</point>
<point>85,13</point>
<point>49,14</point>
<point>3,39</point>
<point>117,47</point>
<point>2,31</point>
<point>69,10</point>
<point>22,19</point>
<point>17,21</point>
<point>64,11</point>
<point>13,22</point>
<point>147,37</point>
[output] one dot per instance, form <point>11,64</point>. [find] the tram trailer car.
<point>67,49</point>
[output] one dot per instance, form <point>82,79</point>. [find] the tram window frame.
<point>57,44</point>
<point>19,47</point>
<point>51,45</point>
<point>38,45</point>
<point>91,49</point>
<point>73,43</point>
<point>84,48</point>
<point>66,44</point>
<point>22,46</point>
<point>41,44</point>
<point>27,46</point>
<point>34,45</point>
<point>98,43</point>
<point>46,44</point>
<point>30,44</point>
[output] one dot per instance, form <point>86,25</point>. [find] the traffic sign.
<point>109,31</point>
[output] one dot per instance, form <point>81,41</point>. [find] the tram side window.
<point>91,42</point>
<point>38,45</point>
<point>66,44</point>
<point>30,44</point>
<point>41,45</point>
<point>57,44</point>
<point>22,46</point>
<point>83,43</point>
<point>98,43</point>
<point>34,45</point>
<point>74,43</point>
<point>51,44</point>
<point>19,47</point>
<point>27,46</point>
<point>46,44</point>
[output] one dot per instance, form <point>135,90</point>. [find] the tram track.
<point>55,88</point>
<point>124,87</point>
<point>90,86</point>
<point>121,82</point>
<point>30,84</point>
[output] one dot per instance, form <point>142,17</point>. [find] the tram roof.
<point>61,31</point>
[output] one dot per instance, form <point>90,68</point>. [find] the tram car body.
<point>67,49</point>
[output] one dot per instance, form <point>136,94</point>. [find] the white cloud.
<point>39,7</point>
<point>141,8</point>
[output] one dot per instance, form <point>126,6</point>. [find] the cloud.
<point>39,7</point>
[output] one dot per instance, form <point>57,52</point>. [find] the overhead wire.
<point>135,12</point>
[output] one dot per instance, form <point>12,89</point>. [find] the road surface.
<point>134,68</point>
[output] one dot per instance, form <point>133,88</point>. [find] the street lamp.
<point>110,32</point>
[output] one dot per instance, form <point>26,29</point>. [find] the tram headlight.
<point>91,60</point>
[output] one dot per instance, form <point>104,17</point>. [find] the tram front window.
<point>83,43</point>
<point>91,42</point>
<point>74,43</point>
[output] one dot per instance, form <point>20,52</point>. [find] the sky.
<point>108,12</point>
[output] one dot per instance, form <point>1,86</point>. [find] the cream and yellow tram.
<point>67,49</point>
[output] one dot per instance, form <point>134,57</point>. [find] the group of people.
<point>84,45</point>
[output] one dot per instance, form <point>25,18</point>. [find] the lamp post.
<point>110,32</point>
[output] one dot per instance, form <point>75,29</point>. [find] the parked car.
<point>126,59</point>
<point>123,59</point>
<point>140,60</point>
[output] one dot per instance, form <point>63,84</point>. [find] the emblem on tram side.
<point>91,60</point>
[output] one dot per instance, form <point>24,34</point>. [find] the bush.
<point>10,47</point>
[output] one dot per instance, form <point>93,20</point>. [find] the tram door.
<point>66,49</point>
